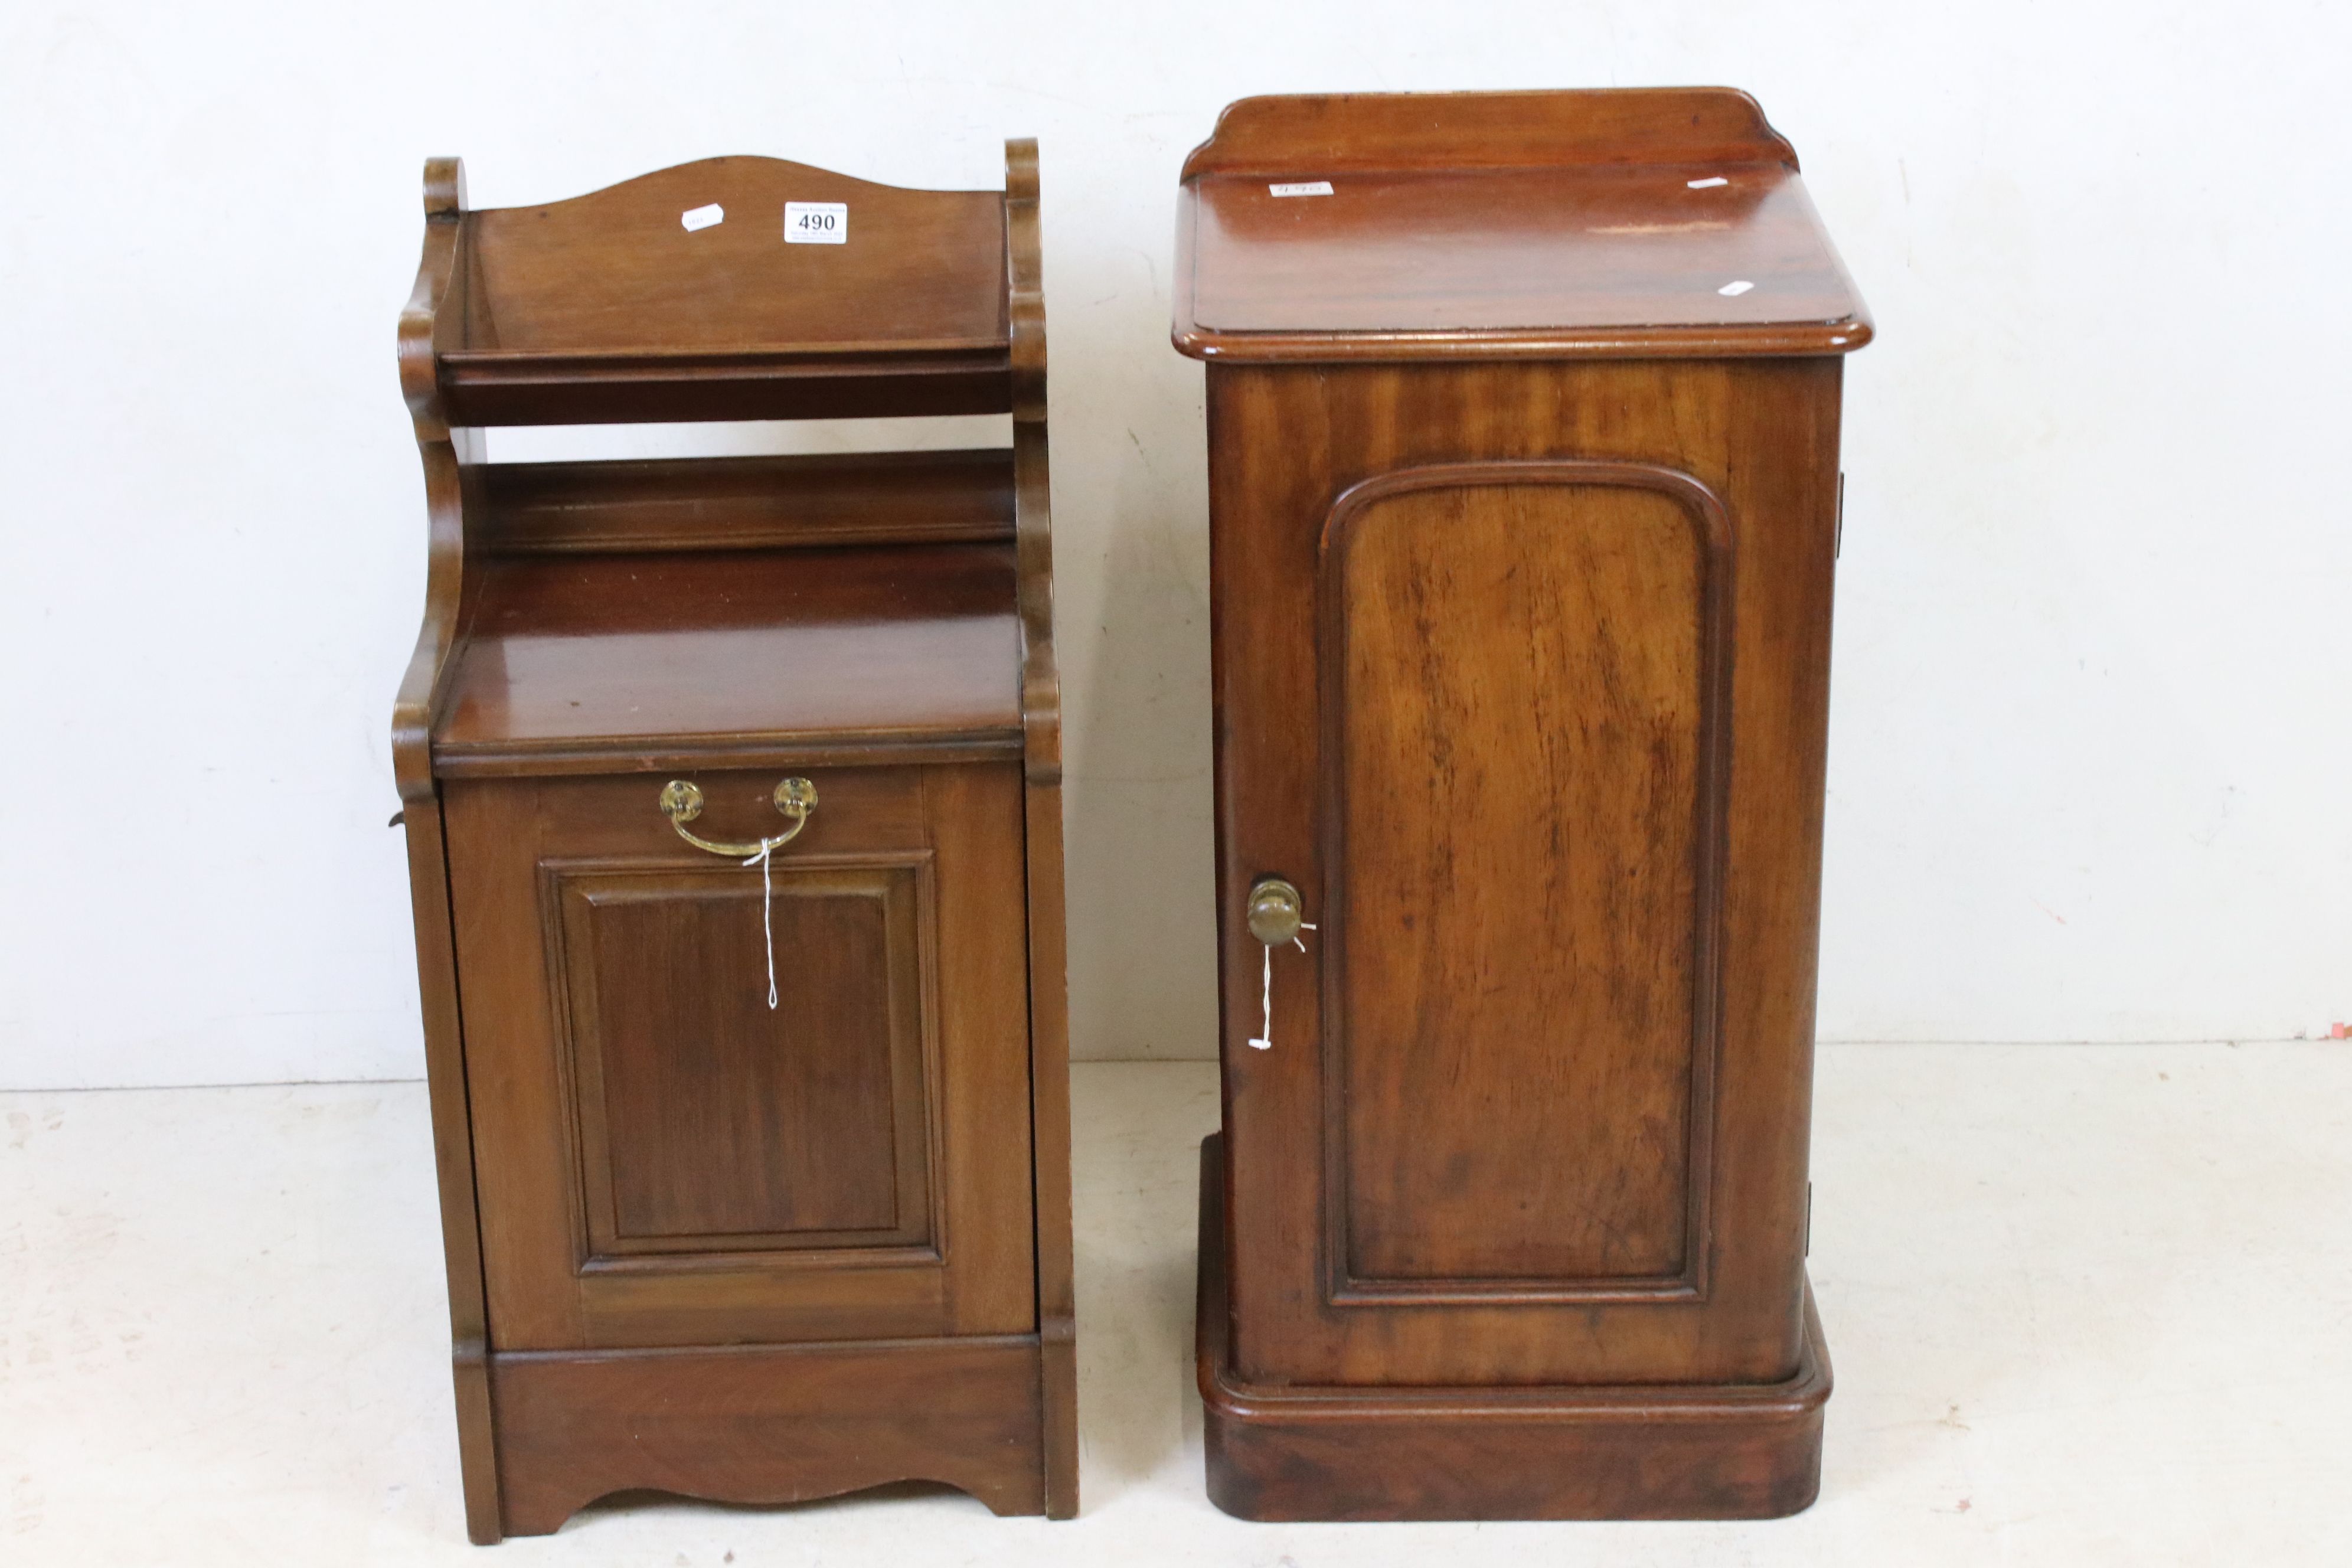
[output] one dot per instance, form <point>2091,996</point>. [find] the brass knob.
<point>1275,911</point>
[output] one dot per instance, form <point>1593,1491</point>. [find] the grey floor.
<point>2086,1305</point>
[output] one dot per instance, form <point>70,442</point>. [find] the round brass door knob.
<point>1275,911</point>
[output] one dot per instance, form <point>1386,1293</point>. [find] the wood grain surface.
<point>642,1165</point>
<point>1505,224</point>
<point>1517,250</point>
<point>768,1424</point>
<point>1288,1452</point>
<point>624,653</point>
<point>608,307</point>
<point>1285,134</point>
<point>617,271</point>
<point>1523,714</point>
<point>452,458</point>
<point>1041,771</point>
<point>1285,444</point>
<point>1523,478</point>
<point>970,1270</point>
<point>749,503</point>
<point>712,1121</point>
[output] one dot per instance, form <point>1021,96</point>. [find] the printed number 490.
<point>816,223</point>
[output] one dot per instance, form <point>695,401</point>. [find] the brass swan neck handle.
<point>681,801</point>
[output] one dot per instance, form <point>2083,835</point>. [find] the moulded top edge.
<point>1570,260</point>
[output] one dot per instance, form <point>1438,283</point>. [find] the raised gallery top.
<point>1630,223</point>
<point>739,288</point>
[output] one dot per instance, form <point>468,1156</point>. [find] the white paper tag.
<point>703,217</point>
<point>1708,183</point>
<point>1300,188</point>
<point>816,223</point>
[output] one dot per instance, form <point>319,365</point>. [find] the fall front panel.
<point>664,1159</point>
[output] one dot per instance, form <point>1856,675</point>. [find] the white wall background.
<point>2090,733</point>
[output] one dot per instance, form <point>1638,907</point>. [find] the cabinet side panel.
<point>975,814</point>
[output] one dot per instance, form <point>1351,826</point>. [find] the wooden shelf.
<point>606,308</point>
<point>499,386</point>
<point>595,663</point>
<point>749,503</point>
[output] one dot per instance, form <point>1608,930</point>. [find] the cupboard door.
<point>1521,675</point>
<point>666,1159</point>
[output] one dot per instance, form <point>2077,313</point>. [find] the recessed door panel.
<point>709,1119</point>
<point>1523,799</point>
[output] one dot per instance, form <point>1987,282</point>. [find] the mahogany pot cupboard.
<point>732,795</point>
<point>1523,480</point>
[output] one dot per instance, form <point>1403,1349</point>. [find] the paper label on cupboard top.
<point>816,223</point>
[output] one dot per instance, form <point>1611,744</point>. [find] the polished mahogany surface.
<point>769,1424</point>
<point>1287,134</point>
<point>664,1161</point>
<point>1518,665</point>
<point>609,307</point>
<point>614,651</point>
<point>617,272</point>
<point>1520,249</point>
<point>1280,1451</point>
<point>754,1177</point>
<point>749,503</point>
<point>1701,244</point>
<point>1523,474</point>
<point>713,1121</point>
<point>1484,781</point>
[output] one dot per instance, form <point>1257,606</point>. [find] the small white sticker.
<point>1301,188</point>
<point>1736,289</point>
<point>816,223</point>
<point>1706,185</point>
<point>703,217</point>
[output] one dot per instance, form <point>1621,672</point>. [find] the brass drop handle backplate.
<point>1277,912</point>
<point>681,801</point>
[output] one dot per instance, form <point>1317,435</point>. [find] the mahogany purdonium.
<point>733,797</point>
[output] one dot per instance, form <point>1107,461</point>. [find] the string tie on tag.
<point>1264,1041</point>
<point>767,914</point>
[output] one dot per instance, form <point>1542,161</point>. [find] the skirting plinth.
<point>1291,1452</point>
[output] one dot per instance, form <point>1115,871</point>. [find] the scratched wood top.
<point>1557,224</point>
